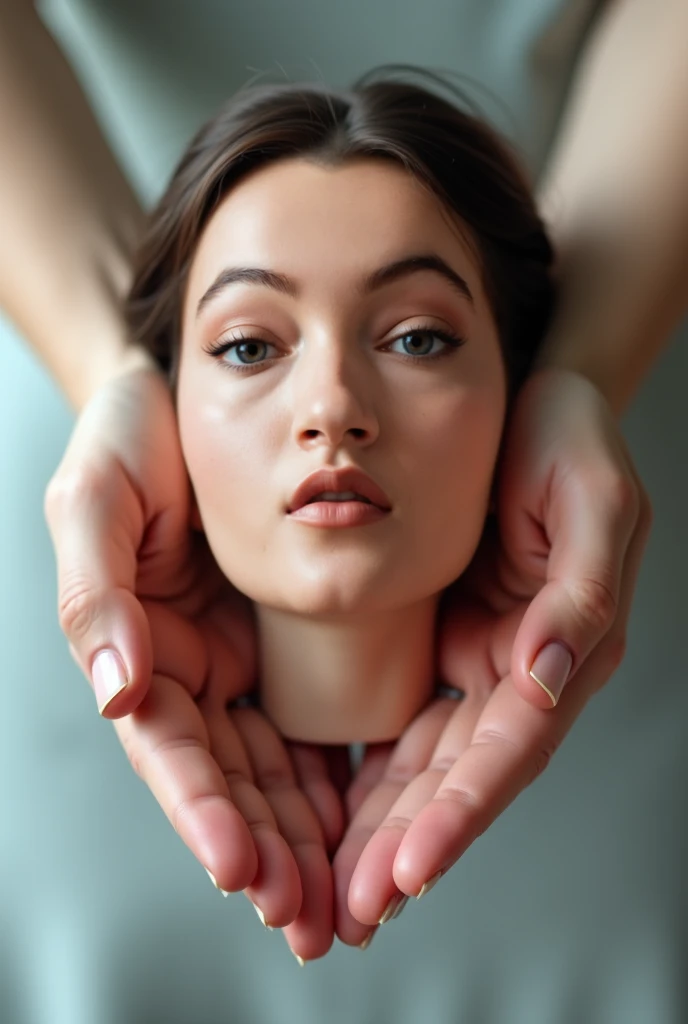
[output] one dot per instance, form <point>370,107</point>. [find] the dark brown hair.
<point>461,160</point>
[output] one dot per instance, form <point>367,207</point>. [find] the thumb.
<point>590,523</point>
<point>97,525</point>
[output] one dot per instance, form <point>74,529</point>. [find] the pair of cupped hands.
<point>318,848</point>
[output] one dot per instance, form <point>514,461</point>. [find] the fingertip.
<point>276,885</point>
<point>542,679</point>
<point>121,662</point>
<point>110,679</point>
<point>544,653</point>
<point>117,695</point>
<point>220,839</point>
<point>532,690</point>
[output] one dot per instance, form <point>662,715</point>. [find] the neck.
<point>346,679</point>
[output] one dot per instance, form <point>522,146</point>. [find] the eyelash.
<point>452,342</point>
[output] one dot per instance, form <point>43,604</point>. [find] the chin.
<point>328,598</point>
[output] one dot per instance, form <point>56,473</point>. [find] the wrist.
<point>107,365</point>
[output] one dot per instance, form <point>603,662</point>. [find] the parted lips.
<point>349,484</point>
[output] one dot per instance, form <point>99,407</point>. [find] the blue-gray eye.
<point>424,343</point>
<point>247,353</point>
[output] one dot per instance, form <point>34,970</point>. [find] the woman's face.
<point>335,322</point>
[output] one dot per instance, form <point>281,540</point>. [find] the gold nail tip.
<point>106,704</point>
<point>402,903</point>
<point>299,959</point>
<point>391,909</point>
<point>368,939</point>
<point>431,883</point>
<point>261,918</point>
<point>545,688</point>
<point>212,878</point>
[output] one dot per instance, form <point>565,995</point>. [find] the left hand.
<point>573,523</point>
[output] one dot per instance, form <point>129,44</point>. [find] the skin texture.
<point>119,523</point>
<point>336,381</point>
<point>335,388</point>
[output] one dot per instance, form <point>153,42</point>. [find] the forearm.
<point>616,200</point>
<point>68,218</point>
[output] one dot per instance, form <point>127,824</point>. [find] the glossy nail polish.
<point>212,878</point>
<point>430,884</point>
<point>392,907</point>
<point>551,669</point>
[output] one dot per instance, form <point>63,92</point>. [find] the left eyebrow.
<point>412,265</point>
<point>388,274</point>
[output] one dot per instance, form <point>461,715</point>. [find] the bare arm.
<point>68,218</point>
<point>616,198</point>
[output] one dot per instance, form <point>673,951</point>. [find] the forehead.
<point>317,220</point>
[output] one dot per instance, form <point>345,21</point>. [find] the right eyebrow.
<point>246,275</point>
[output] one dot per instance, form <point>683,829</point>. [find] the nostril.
<point>358,432</point>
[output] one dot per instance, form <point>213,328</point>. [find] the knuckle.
<point>400,775</point>
<point>397,823</point>
<point>77,607</point>
<point>541,760</point>
<point>471,810</point>
<point>69,489</point>
<point>595,602</point>
<point>463,799</point>
<point>622,495</point>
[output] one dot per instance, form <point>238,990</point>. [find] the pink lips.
<point>369,506</point>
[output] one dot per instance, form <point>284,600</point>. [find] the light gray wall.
<point>571,908</point>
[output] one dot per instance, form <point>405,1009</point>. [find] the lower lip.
<point>337,514</point>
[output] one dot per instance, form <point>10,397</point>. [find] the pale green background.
<point>572,908</point>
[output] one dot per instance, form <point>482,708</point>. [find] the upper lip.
<point>329,479</point>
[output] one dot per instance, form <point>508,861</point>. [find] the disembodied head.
<point>346,289</point>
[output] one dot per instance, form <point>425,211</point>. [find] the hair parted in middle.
<point>461,160</point>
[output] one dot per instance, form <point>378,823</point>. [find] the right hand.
<point>133,581</point>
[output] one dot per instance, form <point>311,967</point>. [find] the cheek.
<point>452,442</point>
<point>450,459</point>
<point>225,459</point>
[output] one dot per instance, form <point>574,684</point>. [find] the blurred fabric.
<point>572,908</point>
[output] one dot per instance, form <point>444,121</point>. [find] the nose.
<point>332,399</point>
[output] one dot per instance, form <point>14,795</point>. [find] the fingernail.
<point>261,918</point>
<point>109,677</point>
<point>391,908</point>
<point>259,912</point>
<point>214,881</point>
<point>430,884</point>
<point>402,903</point>
<point>368,939</point>
<point>551,669</point>
<point>299,959</point>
